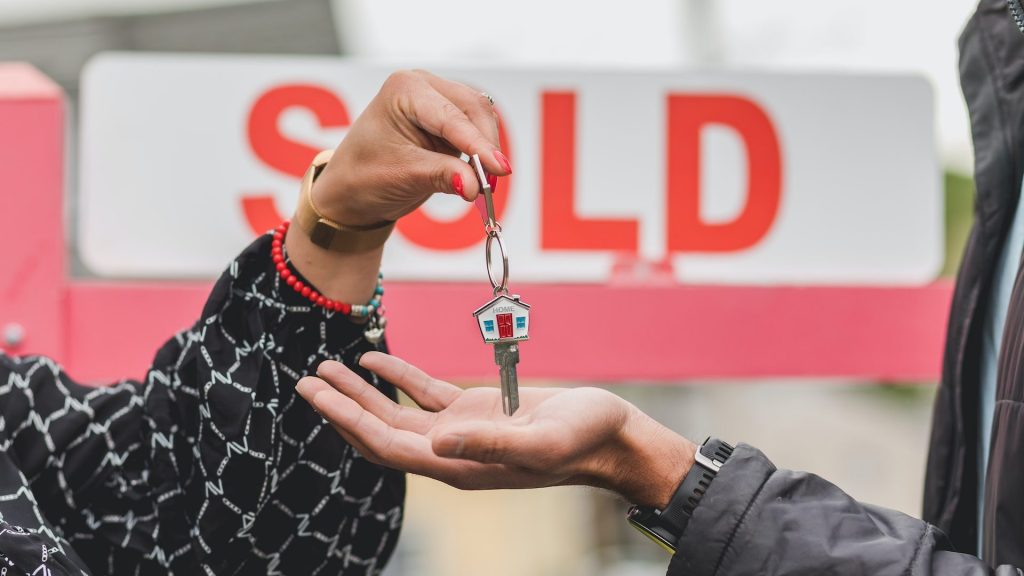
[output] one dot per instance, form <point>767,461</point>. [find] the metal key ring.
<point>499,288</point>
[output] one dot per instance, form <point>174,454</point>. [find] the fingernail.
<point>451,446</point>
<point>325,367</point>
<point>492,181</point>
<point>503,161</point>
<point>460,445</point>
<point>457,185</point>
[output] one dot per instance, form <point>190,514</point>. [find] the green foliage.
<point>899,394</point>
<point>959,191</point>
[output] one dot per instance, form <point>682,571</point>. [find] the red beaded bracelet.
<point>358,310</point>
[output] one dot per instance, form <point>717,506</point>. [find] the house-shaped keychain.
<point>504,319</point>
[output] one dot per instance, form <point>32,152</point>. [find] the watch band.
<point>666,526</point>
<point>326,233</point>
<point>708,461</point>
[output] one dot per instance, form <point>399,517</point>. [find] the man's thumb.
<point>481,443</point>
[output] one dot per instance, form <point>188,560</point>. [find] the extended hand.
<point>461,437</point>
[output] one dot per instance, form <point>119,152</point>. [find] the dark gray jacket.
<point>756,519</point>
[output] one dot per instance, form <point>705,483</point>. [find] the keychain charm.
<point>504,321</point>
<point>374,331</point>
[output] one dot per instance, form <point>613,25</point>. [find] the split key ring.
<point>499,287</point>
<point>493,230</point>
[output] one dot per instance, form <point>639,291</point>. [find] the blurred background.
<point>869,437</point>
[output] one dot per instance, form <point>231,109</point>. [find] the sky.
<point>875,36</point>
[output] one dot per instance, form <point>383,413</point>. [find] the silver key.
<point>506,356</point>
<point>503,323</point>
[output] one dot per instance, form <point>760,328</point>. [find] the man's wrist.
<point>652,462</point>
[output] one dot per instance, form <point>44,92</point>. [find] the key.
<point>504,322</point>
<point>506,356</point>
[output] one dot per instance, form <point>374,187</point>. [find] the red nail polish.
<point>503,161</point>
<point>457,185</point>
<point>492,181</point>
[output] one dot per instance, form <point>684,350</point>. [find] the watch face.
<point>646,521</point>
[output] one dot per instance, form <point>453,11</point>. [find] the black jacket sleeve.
<point>211,464</point>
<point>756,519</point>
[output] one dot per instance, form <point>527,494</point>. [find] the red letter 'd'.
<point>277,151</point>
<point>686,116</point>
<point>561,229</point>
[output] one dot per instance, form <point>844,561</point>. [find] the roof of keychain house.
<point>504,319</point>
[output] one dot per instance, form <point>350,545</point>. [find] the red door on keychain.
<point>504,325</point>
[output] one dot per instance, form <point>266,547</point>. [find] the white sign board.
<point>740,178</point>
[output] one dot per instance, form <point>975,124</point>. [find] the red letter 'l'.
<point>561,228</point>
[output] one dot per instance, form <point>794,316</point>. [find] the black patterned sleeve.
<point>213,464</point>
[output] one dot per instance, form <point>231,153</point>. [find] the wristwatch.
<point>327,233</point>
<point>666,526</point>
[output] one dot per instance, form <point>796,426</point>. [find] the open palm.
<point>462,437</point>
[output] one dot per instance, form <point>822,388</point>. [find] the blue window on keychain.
<point>488,325</point>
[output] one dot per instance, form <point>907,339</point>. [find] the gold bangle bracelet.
<point>327,233</point>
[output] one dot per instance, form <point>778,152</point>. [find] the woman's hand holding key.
<point>461,437</point>
<point>404,147</point>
